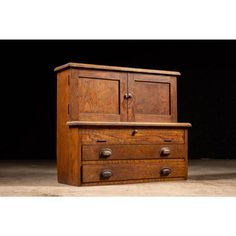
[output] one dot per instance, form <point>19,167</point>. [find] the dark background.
<point>206,89</point>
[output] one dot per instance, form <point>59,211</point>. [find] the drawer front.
<point>129,152</point>
<point>132,135</point>
<point>133,170</point>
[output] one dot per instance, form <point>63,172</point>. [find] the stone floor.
<point>38,178</point>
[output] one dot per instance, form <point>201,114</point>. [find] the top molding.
<point>115,68</point>
<point>122,123</point>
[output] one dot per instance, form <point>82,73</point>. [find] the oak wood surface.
<point>128,124</point>
<point>153,98</point>
<point>131,152</point>
<point>129,111</point>
<point>186,152</point>
<point>63,163</point>
<point>132,170</point>
<point>103,95</point>
<point>125,135</point>
<point>98,95</point>
<point>68,161</point>
<point>114,68</point>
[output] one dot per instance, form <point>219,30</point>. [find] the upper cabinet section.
<point>107,93</point>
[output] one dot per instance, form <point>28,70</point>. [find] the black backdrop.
<point>206,89</point>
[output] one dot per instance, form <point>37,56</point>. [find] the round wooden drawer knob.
<point>106,174</point>
<point>105,152</point>
<point>165,171</point>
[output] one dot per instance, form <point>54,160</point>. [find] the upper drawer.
<point>128,152</point>
<point>131,135</point>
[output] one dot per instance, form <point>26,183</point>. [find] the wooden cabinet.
<point>118,125</point>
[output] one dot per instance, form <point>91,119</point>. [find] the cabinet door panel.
<point>153,98</point>
<point>98,95</point>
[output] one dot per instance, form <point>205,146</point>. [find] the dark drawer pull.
<point>165,151</point>
<point>165,171</point>
<point>106,174</point>
<point>105,153</point>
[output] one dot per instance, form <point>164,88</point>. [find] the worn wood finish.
<point>127,170</point>
<point>126,135</point>
<point>114,68</point>
<point>154,98</point>
<point>98,95</point>
<point>186,153</point>
<point>128,124</point>
<point>62,128</point>
<point>68,145</point>
<point>132,152</point>
<point>119,120</point>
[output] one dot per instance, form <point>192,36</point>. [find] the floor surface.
<point>38,178</point>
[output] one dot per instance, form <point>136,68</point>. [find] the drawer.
<point>125,152</point>
<point>131,135</point>
<point>133,170</point>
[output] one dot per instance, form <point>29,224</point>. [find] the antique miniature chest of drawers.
<point>118,125</point>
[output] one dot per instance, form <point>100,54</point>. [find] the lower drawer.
<point>133,170</point>
<point>129,152</point>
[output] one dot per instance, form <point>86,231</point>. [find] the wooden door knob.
<point>105,152</point>
<point>165,171</point>
<point>134,132</point>
<point>128,95</point>
<point>165,151</point>
<point>106,174</point>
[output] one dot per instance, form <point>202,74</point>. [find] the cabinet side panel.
<point>173,99</point>
<point>186,152</point>
<point>62,129</point>
<point>74,166</point>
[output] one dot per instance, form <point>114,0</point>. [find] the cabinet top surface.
<point>115,68</point>
<point>154,124</point>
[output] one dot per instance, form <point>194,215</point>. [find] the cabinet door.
<point>152,98</point>
<point>97,95</point>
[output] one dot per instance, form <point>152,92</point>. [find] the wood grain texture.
<point>154,98</point>
<point>132,170</point>
<point>158,103</point>
<point>132,152</point>
<point>98,95</point>
<point>125,135</point>
<point>62,128</point>
<point>114,68</point>
<point>127,114</point>
<point>128,124</point>
<point>186,153</point>
<point>68,161</point>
